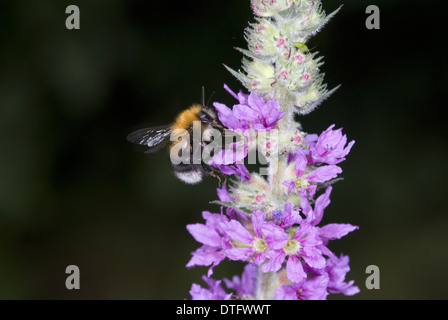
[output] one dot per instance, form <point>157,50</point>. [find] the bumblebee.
<point>157,137</point>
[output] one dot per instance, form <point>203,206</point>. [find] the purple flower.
<point>330,231</point>
<point>304,244</point>
<point>246,284</point>
<point>314,216</point>
<point>238,169</point>
<point>334,231</point>
<point>307,289</point>
<point>213,240</point>
<point>329,147</point>
<point>267,236</point>
<point>304,179</point>
<point>337,270</point>
<point>252,112</point>
<point>288,217</point>
<point>234,153</point>
<point>230,160</point>
<point>215,292</point>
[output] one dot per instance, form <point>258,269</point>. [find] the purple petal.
<point>311,138</point>
<point>321,203</point>
<point>290,216</point>
<point>246,284</point>
<point>347,289</point>
<point>239,253</point>
<point>246,115</point>
<point>257,113</point>
<point>329,147</point>
<point>313,257</point>
<point>311,190</point>
<point>315,288</point>
<point>259,258</point>
<point>233,153</point>
<point>213,220</point>
<point>324,173</point>
<point>337,270</point>
<point>230,91</point>
<point>216,292</point>
<point>204,234</point>
<point>294,269</point>
<point>301,161</point>
<point>258,217</point>
<point>238,169</point>
<point>327,252</point>
<point>199,293</point>
<point>223,194</point>
<point>275,262</point>
<point>248,279</point>
<point>274,113</point>
<point>285,293</point>
<point>275,236</point>
<point>243,172</point>
<point>226,116</point>
<point>235,230</point>
<point>336,230</point>
<point>205,257</point>
<point>290,184</point>
<point>308,235</point>
<point>306,208</point>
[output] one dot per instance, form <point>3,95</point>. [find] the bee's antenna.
<point>211,96</point>
<point>203,96</point>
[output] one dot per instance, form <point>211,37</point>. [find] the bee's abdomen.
<point>189,173</point>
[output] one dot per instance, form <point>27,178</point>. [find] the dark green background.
<point>73,191</point>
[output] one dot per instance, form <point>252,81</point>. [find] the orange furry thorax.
<point>185,119</point>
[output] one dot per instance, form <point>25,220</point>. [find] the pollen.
<point>301,183</point>
<point>260,245</point>
<point>292,247</point>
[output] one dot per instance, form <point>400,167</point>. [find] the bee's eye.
<point>203,116</point>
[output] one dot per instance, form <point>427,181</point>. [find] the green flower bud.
<point>268,8</point>
<point>278,61</point>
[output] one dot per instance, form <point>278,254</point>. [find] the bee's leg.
<point>213,172</point>
<point>217,177</point>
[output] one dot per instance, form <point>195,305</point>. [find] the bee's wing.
<point>154,138</point>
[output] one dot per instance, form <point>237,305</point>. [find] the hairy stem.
<point>266,285</point>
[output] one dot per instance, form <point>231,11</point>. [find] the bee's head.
<point>208,117</point>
